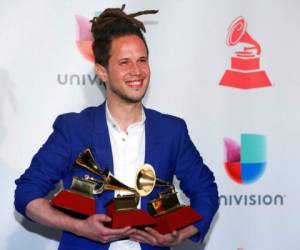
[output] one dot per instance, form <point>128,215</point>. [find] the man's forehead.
<point>131,44</point>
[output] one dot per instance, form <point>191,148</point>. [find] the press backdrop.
<point>43,74</point>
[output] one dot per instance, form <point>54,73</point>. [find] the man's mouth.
<point>134,84</point>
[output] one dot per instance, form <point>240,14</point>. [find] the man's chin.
<point>133,99</point>
<point>129,96</point>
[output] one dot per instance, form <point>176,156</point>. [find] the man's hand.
<point>152,237</point>
<point>94,229</point>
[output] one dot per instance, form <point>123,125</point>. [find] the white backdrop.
<point>188,55</point>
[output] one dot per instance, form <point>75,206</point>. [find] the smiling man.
<point>126,78</point>
<point>123,135</point>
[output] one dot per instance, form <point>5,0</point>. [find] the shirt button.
<point>123,139</point>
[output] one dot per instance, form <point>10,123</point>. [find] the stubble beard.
<point>127,98</point>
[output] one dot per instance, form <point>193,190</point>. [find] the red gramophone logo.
<point>245,72</point>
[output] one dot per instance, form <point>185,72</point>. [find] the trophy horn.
<point>87,161</point>
<point>146,180</point>
<point>112,183</point>
<point>107,181</point>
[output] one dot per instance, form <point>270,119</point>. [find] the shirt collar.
<point>113,123</point>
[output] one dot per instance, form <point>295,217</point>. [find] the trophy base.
<point>136,218</point>
<point>176,219</point>
<point>245,80</point>
<point>75,204</point>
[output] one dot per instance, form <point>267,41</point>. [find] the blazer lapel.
<point>152,146</point>
<point>101,141</point>
<point>152,134</point>
<point>102,152</point>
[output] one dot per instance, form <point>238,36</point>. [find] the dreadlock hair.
<point>111,24</point>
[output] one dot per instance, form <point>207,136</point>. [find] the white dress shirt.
<point>128,150</point>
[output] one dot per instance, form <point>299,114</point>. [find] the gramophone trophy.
<point>78,200</point>
<point>245,70</point>
<point>168,213</point>
<point>122,209</point>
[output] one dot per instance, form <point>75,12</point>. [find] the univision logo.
<point>84,38</point>
<point>252,199</point>
<point>246,162</point>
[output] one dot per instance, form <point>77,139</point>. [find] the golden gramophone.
<point>79,198</point>
<point>168,213</point>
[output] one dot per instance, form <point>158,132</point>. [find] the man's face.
<point>127,75</point>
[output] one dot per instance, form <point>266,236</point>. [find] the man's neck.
<point>125,114</point>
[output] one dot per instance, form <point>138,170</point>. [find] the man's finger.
<point>164,239</point>
<point>158,235</point>
<point>175,234</point>
<point>145,237</point>
<point>113,237</point>
<point>137,239</point>
<point>153,231</point>
<point>102,217</point>
<point>118,232</point>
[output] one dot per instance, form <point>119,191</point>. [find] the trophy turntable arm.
<point>99,187</point>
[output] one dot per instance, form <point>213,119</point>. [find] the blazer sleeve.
<point>197,182</point>
<point>47,167</point>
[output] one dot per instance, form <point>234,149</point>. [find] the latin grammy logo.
<point>245,72</point>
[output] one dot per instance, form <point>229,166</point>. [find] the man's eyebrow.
<point>127,58</point>
<point>123,59</point>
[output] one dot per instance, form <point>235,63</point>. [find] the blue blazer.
<point>168,149</point>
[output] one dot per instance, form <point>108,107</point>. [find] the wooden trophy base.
<point>176,219</point>
<point>73,203</point>
<point>136,218</point>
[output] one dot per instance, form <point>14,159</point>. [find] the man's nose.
<point>136,69</point>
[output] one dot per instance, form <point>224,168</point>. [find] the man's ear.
<point>101,72</point>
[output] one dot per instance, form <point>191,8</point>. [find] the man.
<point>122,135</point>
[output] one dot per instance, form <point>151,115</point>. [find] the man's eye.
<point>143,60</point>
<point>123,62</point>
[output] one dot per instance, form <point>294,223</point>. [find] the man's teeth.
<point>134,83</point>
